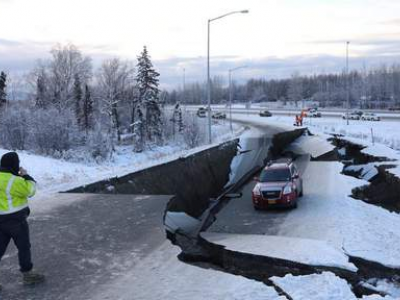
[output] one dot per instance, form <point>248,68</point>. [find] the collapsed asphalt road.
<point>86,244</point>
<point>326,213</point>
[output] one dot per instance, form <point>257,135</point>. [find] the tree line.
<point>73,107</point>
<point>375,88</point>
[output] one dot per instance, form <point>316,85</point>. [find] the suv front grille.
<point>271,194</point>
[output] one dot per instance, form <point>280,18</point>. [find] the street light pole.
<point>208,84</point>
<point>347,83</point>
<point>184,86</point>
<point>230,100</point>
<point>208,67</point>
<point>231,94</point>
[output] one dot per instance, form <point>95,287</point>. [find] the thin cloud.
<point>7,43</point>
<point>392,22</point>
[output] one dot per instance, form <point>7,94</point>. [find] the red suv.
<point>279,185</point>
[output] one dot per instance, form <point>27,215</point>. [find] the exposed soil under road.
<point>383,188</point>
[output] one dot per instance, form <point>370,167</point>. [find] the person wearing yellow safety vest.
<point>16,186</point>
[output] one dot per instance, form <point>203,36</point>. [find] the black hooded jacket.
<point>10,164</point>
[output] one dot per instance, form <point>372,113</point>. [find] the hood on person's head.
<point>10,161</point>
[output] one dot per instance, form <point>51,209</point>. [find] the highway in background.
<point>326,112</point>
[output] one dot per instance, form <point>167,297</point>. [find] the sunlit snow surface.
<point>307,251</point>
<point>319,287</point>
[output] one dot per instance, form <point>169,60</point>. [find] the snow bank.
<point>312,145</point>
<point>388,288</point>
<point>319,286</point>
<point>311,252</point>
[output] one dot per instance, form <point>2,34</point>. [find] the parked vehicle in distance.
<point>219,115</point>
<point>314,113</point>
<point>354,115</point>
<point>370,117</point>
<point>279,185</point>
<point>265,113</point>
<point>201,112</point>
<point>394,108</point>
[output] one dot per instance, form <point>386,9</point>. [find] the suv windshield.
<point>275,175</point>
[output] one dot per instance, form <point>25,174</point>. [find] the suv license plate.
<point>271,201</point>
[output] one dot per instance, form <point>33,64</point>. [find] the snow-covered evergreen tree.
<point>148,98</point>
<point>78,99</point>
<point>139,131</point>
<point>87,110</point>
<point>41,98</point>
<point>177,119</point>
<point>3,86</point>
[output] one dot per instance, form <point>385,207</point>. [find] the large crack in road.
<point>239,217</point>
<point>383,188</point>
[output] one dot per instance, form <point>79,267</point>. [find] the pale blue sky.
<point>284,31</point>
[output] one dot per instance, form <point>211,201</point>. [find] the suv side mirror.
<point>256,179</point>
<point>295,176</point>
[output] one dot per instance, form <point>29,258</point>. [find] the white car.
<point>370,117</point>
<point>355,115</point>
<point>314,114</point>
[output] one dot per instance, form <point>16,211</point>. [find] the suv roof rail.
<point>285,160</point>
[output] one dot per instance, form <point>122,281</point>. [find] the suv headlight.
<point>288,189</point>
<point>256,190</point>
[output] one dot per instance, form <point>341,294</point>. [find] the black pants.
<point>17,229</point>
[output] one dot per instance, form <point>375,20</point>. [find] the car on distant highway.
<point>279,185</point>
<point>370,117</point>
<point>219,115</point>
<point>265,113</point>
<point>314,113</point>
<point>201,112</point>
<point>354,115</point>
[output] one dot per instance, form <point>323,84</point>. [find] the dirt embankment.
<point>383,188</point>
<point>193,180</point>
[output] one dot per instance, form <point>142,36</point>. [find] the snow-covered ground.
<point>322,253</point>
<point>325,286</point>
<point>55,175</point>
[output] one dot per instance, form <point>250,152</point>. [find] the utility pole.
<point>347,83</point>
<point>231,94</point>
<point>184,86</point>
